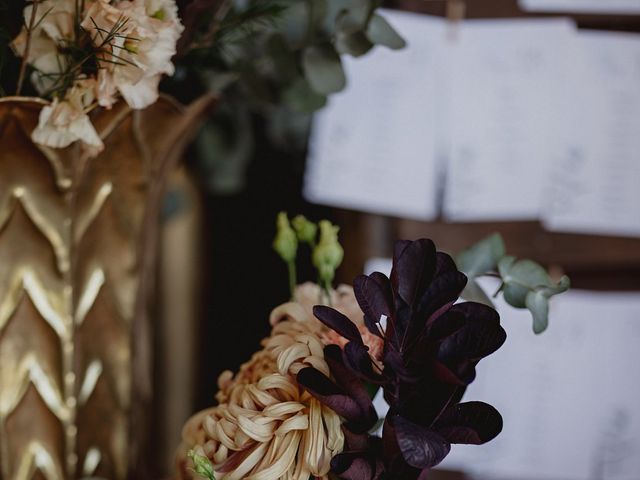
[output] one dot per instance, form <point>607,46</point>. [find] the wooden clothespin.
<point>456,10</point>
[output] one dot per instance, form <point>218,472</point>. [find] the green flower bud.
<point>286,241</point>
<point>328,254</point>
<point>201,465</point>
<point>305,229</point>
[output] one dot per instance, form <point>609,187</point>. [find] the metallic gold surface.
<point>77,246</point>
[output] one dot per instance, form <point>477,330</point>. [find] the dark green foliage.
<point>284,58</point>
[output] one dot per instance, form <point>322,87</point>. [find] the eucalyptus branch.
<point>27,48</point>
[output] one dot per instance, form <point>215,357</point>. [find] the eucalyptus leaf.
<point>527,284</point>
<point>285,61</point>
<point>520,277</point>
<point>380,32</point>
<point>525,272</point>
<point>353,19</point>
<point>294,24</point>
<point>481,257</point>
<point>355,44</point>
<point>302,98</point>
<point>538,304</point>
<point>323,69</point>
<point>473,292</point>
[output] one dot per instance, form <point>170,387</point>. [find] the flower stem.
<point>292,279</point>
<point>27,47</point>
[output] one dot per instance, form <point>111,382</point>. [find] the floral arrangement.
<point>87,53</point>
<point>302,406</point>
<point>79,55</point>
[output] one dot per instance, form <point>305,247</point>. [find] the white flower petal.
<point>141,94</point>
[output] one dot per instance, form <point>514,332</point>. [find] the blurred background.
<point>519,118</point>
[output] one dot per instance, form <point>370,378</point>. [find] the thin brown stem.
<point>214,27</point>
<point>27,48</point>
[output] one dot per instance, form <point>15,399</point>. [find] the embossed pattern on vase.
<point>71,260</point>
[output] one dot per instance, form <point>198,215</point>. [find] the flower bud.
<point>328,255</point>
<point>201,465</point>
<point>286,241</point>
<point>305,229</point>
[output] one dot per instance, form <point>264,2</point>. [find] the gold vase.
<point>77,251</point>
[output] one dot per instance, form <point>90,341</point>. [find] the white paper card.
<point>373,148</point>
<point>504,94</point>
<point>569,398</point>
<point>595,183</point>
<point>617,7</point>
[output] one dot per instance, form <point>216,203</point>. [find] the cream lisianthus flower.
<point>134,60</point>
<point>65,121</point>
<point>54,27</point>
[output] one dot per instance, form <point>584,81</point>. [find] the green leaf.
<point>527,284</point>
<point>380,32</point>
<point>302,98</point>
<point>474,293</point>
<point>355,44</point>
<point>323,69</point>
<point>538,305</point>
<point>520,277</point>
<point>481,257</point>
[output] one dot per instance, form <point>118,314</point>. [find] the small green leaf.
<point>323,69</point>
<point>520,277</point>
<point>302,98</point>
<point>525,272</point>
<point>538,304</point>
<point>528,285</point>
<point>481,257</point>
<point>474,293</point>
<point>380,32</point>
<point>355,44</point>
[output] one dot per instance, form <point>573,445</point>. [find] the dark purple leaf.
<point>444,264</point>
<point>480,336</point>
<point>373,326</point>
<point>436,301</point>
<point>394,363</point>
<point>359,417</point>
<point>357,358</point>
<point>352,385</point>
<point>420,447</point>
<point>399,247</point>
<point>357,466</point>
<point>443,292</point>
<point>446,325</point>
<point>413,269</point>
<point>374,295</point>
<point>471,422</point>
<point>338,322</point>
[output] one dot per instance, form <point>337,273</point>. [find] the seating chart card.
<point>569,398</point>
<point>373,147</point>
<point>613,7</point>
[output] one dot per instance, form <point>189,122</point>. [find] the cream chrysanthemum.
<point>269,429</point>
<point>266,427</point>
